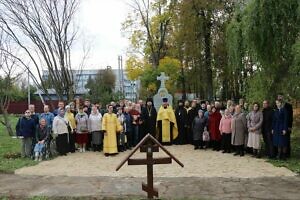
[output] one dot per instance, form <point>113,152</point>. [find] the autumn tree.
<point>148,27</point>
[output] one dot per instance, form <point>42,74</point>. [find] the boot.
<point>242,153</point>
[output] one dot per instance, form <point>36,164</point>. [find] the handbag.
<point>205,136</point>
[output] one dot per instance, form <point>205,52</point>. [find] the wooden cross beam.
<point>149,145</point>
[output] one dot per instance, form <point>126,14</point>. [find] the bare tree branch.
<point>44,31</point>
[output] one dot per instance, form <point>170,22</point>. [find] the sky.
<point>99,22</point>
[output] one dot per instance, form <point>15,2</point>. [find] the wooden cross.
<point>149,145</point>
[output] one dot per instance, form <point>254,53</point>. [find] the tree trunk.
<point>207,54</point>
<point>6,121</point>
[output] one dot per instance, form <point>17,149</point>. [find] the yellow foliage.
<point>152,87</point>
<point>134,68</point>
<point>171,67</point>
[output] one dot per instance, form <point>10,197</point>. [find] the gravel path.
<point>199,163</point>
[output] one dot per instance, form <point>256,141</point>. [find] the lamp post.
<point>132,83</point>
<point>28,89</point>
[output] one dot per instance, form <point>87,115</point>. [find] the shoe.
<point>40,159</point>
<point>83,150</point>
<point>36,156</point>
<point>224,151</point>
<point>196,148</point>
<point>242,154</point>
<point>236,153</point>
<point>106,154</point>
<point>80,150</point>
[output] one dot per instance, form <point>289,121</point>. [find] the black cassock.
<point>148,117</point>
<point>182,123</point>
<point>193,112</point>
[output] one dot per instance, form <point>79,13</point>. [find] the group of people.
<point>237,128</point>
<point>120,126</point>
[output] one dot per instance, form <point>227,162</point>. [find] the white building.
<point>126,87</point>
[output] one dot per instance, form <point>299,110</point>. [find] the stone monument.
<point>162,92</point>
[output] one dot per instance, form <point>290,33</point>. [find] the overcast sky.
<point>100,24</point>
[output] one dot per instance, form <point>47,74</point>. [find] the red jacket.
<point>213,125</point>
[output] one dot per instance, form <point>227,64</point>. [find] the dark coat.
<point>182,122</point>
<point>128,123</point>
<point>26,127</point>
<point>198,127</point>
<point>280,120</point>
<point>280,124</point>
<point>42,134</point>
<point>267,120</point>
<point>148,118</point>
<point>289,110</point>
<point>193,112</point>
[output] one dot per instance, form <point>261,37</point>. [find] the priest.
<point>148,118</point>
<point>111,127</point>
<point>166,123</point>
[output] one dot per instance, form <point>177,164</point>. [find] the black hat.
<point>149,99</point>
<point>165,99</point>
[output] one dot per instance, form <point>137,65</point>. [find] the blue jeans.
<point>39,147</point>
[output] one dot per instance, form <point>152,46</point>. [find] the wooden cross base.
<point>149,145</point>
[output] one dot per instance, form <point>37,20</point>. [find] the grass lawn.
<point>10,146</point>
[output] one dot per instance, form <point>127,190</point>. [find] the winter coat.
<point>255,120</point>
<point>213,125</point>
<point>239,129</point>
<point>280,120</point>
<point>267,120</point>
<point>198,126</point>
<point>26,127</point>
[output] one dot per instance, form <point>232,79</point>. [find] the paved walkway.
<point>18,186</point>
<point>207,175</point>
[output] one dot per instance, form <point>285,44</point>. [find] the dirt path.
<point>199,163</point>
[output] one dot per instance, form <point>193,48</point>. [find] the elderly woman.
<point>95,128</point>
<point>60,130</point>
<point>255,120</point>
<point>82,129</point>
<point>198,126</point>
<point>213,127</point>
<point>42,135</point>
<point>239,129</point>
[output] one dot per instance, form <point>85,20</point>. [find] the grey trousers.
<point>26,147</point>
